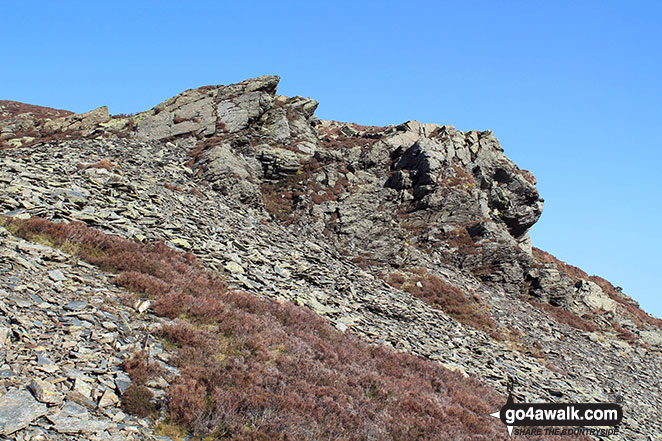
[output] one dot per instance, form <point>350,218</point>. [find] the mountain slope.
<point>411,236</point>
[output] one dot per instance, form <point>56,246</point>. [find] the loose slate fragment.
<point>74,418</point>
<point>76,305</point>
<point>56,275</point>
<point>18,409</point>
<point>45,391</point>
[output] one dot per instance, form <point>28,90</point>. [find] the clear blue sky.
<point>571,88</point>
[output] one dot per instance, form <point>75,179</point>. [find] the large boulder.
<point>592,296</point>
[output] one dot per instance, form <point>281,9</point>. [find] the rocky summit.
<point>411,237</point>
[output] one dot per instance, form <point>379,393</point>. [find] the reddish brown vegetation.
<point>334,137</point>
<point>123,115</point>
<point>140,369</point>
<point>565,316</point>
<point>253,369</point>
<point>282,197</point>
<point>461,240</point>
<point>10,109</point>
<point>575,273</point>
<point>363,260</point>
<point>450,299</point>
<point>137,400</point>
<point>178,119</point>
<point>530,178</point>
<point>623,333</point>
<point>101,164</point>
<point>460,178</point>
<point>639,316</point>
<point>173,187</point>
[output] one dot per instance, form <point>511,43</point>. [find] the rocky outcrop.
<point>592,297</point>
<point>549,285</point>
<point>82,125</point>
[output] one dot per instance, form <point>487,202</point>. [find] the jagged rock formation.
<point>319,212</point>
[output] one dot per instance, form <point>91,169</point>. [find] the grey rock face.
<point>237,113</point>
<point>414,183</point>
<point>549,285</point>
<point>189,113</point>
<point>592,296</point>
<point>230,174</point>
<point>85,123</point>
<point>652,338</point>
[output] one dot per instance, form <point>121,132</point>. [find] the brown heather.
<point>565,316</point>
<point>442,295</point>
<point>15,108</point>
<point>140,369</point>
<point>137,400</point>
<point>254,369</point>
<point>174,187</point>
<point>101,164</point>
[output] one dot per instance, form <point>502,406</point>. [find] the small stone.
<point>122,382</point>
<point>182,243</point>
<point>18,409</point>
<point>144,306</point>
<point>108,399</point>
<point>83,387</point>
<point>282,272</point>
<point>76,305</point>
<point>5,334</point>
<point>78,398</point>
<point>157,383</point>
<point>119,416</point>
<point>20,302</point>
<point>234,268</point>
<point>109,326</point>
<point>45,392</point>
<point>56,275</point>
<point>73,410</point>
<point>45,364</point>
<point>43,359</point>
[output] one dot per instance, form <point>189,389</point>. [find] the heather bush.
<point>187,401</point>
<point>142,283</point>
<point>173,187</point>
<point>104,164</point>
<point>282,197</point>
<point>565,316</point>
<point>442,295</point>
<point>137,400</point>
<point>140,369</point>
